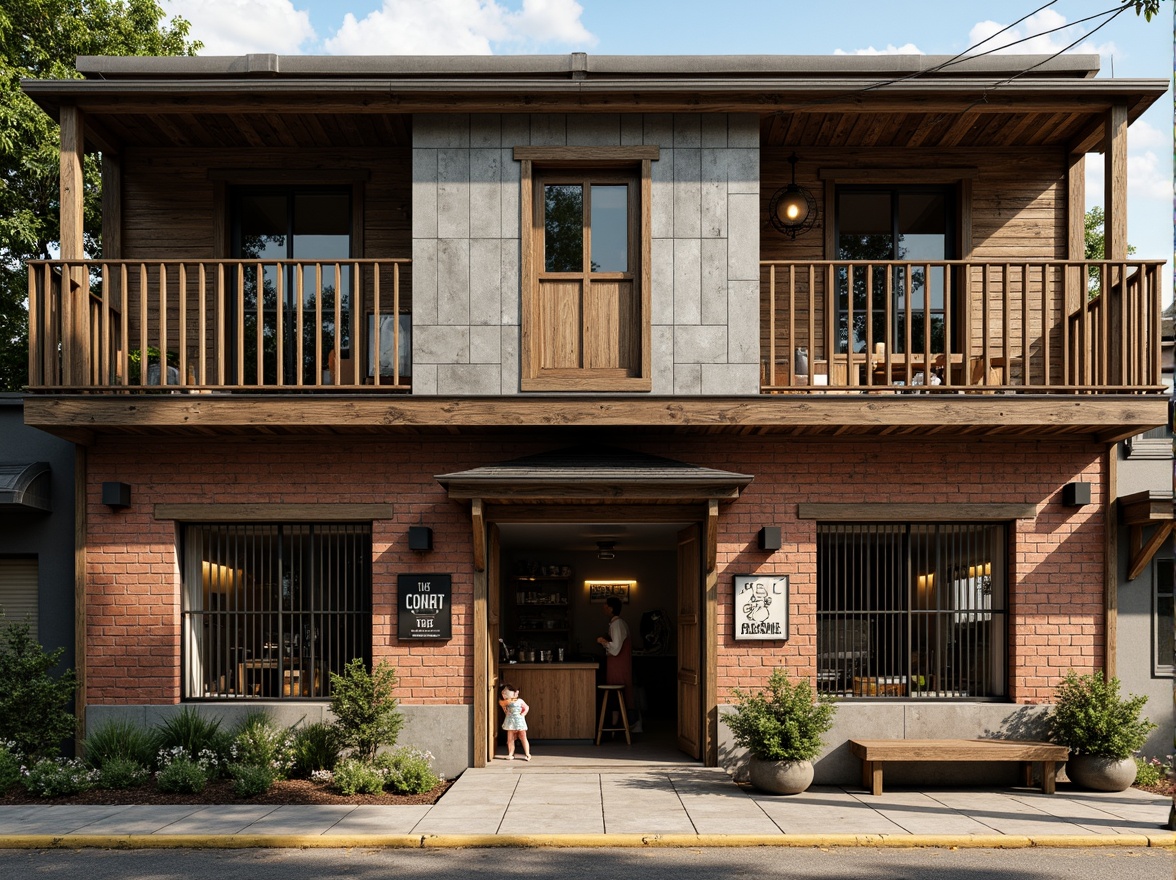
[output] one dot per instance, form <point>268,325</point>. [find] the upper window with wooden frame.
<point>586,268</point>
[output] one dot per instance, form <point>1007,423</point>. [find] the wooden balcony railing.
<point>240,325</point>
<point>1070,327</point>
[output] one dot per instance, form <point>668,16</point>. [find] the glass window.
<point>1164,641</point>
<point>271,610</point>
<point>911,610</point>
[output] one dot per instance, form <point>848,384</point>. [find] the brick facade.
<point>133,575</point>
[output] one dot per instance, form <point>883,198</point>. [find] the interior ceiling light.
<point>793,209</point>
<point>604,549</point>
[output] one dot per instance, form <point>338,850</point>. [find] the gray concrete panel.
<point>486,345</point>
<point>440,130</point>
<point>424,378</point>
<point>509,256</point>
<point>441,345</point>
<point>713,282</point>
<point>485,281</point>
<point>453,282</point>
<point>453,193</point>
<point>659,131</point>
<point>510,359</point>
<point>486,189</point>
<point>743,340</point>
<point>424,193</point>
<point>424,281</point>
<point>730,379</point>
<point>662,196</point>
<point>454,380</point>
<point>713,203</point>
<point>632,129</point>
<point>743,225</point>
<point>594,129</point>
<point>662,345</point>
<point>549,130</point>
<point>662,280</point>
<point>485,131</point>
<point>687,193</point>
<point>687,130</point>
<point>687,282</point>
<point>511,172</point>
<point>743,171</point>
<point>516,130</point>
<point>743,130</point>
<point>687,378</point>
<point>713,130</point>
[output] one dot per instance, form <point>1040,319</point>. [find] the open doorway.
<point>553,579</point>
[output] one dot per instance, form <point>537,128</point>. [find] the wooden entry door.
<point>689,642</point>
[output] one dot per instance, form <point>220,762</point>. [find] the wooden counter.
<point>562,697</point>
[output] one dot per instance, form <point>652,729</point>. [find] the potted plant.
<point>1101,729</point>
<point>782,730</point>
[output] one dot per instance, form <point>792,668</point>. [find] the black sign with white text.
<point>424,601</point>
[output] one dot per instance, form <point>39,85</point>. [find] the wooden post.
<point>1115,230</point>
<point>710,638</point>
<point>72,208</point>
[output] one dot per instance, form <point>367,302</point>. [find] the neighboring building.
<point>36,530</point>
<point>1144,544</point>
<point>457,346</point>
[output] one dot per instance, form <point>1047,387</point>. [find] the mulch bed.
<point>289,791</point>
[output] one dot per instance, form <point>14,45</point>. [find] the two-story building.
<point>418,359</point>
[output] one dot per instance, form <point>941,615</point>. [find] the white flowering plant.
<point>182,772</point>
<point>55,777</point>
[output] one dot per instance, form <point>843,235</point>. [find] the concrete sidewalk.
<point>527,804</point>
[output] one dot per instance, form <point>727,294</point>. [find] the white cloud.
<point>1036,41</point>
<point>460,27</point>
<point>238,27</point>
<point>1144,136</point>
<point>905,49</point>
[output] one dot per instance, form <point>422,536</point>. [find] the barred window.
<point>271,610</point>
<point>1163,639</point>
<point>911,610</point>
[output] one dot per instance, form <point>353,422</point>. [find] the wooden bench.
<point>875,752</point>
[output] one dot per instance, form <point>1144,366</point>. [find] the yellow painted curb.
<point>475,841</point>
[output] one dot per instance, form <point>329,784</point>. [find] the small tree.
<point>784,723</point>
<point>1091,718</point>
<point>365,708</point>
<point>34,703</point>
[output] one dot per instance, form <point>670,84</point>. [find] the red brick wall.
<point>133,635</point>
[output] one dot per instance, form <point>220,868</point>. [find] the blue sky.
<point>1128,44</point>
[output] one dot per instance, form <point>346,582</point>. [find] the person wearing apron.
<point>618,653</point>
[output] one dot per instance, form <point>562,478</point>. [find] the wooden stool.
<point>619,690</point>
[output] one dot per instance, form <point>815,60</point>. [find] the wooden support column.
<point>74,332</point>
<point>1115,183</point>
<point>481,640</point>
<point>1075,230</point>
<point>710,636</point>
<point>111,206</point>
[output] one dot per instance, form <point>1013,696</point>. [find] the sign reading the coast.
<point>425,602</point>
<point>761,607</point>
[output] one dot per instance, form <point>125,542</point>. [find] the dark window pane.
<point>563,228</point>
<point>1164,635</point>
<point>610,228</point>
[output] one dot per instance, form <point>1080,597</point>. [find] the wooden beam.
<point>1075,290</point>
<point>596,156</point>
<point>1143,555</point>
<point>711,533</point>
<point>111,206</point>
<point>590,513</point>
<point>72,184</point>
<point>1115,182</point>
<point>274,512</point>
<point>905,512</point>
<point>710,637</point>
<point>482,685</point>
<point>479,524</point>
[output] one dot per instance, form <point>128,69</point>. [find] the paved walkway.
<point>529,804</point>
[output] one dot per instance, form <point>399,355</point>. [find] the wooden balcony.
<point>961,327</point>
<point>216,326</point>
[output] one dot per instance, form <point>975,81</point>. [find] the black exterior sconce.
<point>769,538</point>
<point>1076,494</point>
<point>116,496</point>
<point>420,538</point>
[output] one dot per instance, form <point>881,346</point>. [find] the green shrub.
<point>261,742</point>
<point>358,777</point>
<point>192,732</point>
<point>316,747</point>
<point>34,703</point>
<point>10,766</point>
<point>1091,718</point>
<point>250,780</point>
<point>1152,773</point>
<point>785,723</point>
<point>407,770</point>
<point>55,777</point>
<point>121,773</point>
<point>365,708</point>
<point>182,775</point>
<point>119,739</point>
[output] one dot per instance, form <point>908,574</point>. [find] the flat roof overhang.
<point>1101,418</point>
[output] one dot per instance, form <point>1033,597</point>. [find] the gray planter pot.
<point>1101,774</point>
<point>780,777</point>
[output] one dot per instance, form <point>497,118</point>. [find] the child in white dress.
<point>515,723</point>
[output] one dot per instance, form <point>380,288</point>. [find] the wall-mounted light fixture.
<point>1076,494</point>
<point>420,538</point>
<point>116,496</point>
<point>793,209</point>
<point>769,538</point>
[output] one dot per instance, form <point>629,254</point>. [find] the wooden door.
<point>689,642</point>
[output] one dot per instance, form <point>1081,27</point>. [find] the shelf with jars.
<point>538,612</point>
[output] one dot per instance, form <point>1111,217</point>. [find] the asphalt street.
<point>593,864</point>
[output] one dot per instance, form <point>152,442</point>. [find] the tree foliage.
<point>40,39</point>
<point>1149,9</point>
<point>1091,718</point>
<point>365,710</point>
<point>34,701</point>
